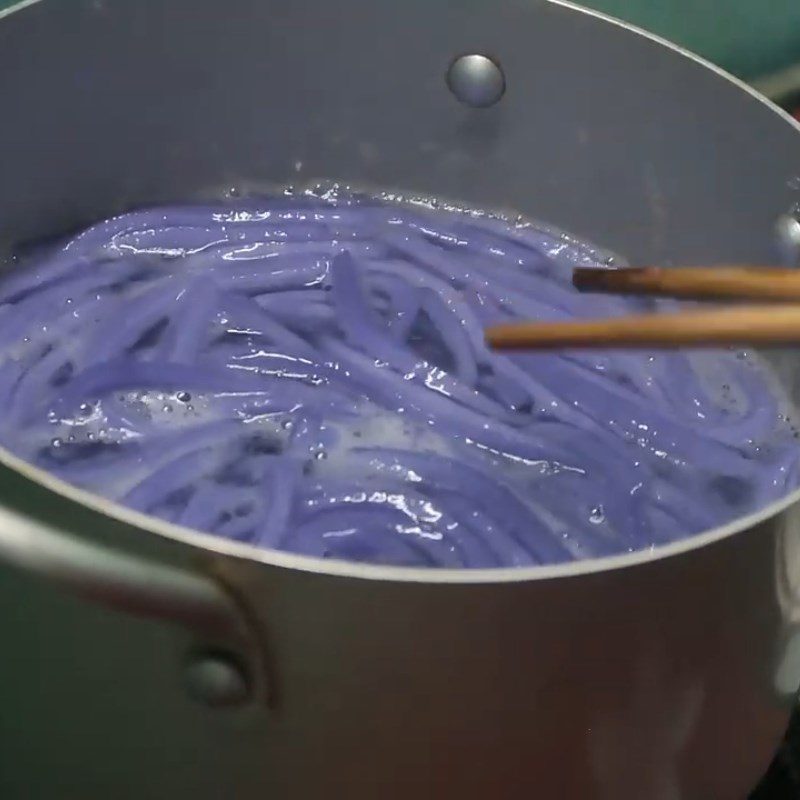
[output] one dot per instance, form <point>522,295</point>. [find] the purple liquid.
<point>308,373</point>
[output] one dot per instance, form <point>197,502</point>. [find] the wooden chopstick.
<point>737,325</point>
<point>701,283</point>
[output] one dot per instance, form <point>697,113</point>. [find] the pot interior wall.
<point>113,104</point>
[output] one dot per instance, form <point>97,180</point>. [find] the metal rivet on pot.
<point>788,229</point>
<point>217,680</point>
<point>476,80</point>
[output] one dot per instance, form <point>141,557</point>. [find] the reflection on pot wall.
<point>787,566</point>
<point>664,709</point>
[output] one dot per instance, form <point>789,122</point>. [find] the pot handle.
<point>125,582</point>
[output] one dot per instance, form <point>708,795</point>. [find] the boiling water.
<point>308,373</point>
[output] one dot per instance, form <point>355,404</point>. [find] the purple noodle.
<point>309,373</point>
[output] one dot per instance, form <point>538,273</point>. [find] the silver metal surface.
<point>68,546</point>
<point>788,232</point>
<point>476,80</point>
<point>657,675</point>
<point>117,580</point>
<point>216,680</point>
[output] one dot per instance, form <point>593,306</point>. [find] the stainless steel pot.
<point>251,674</point>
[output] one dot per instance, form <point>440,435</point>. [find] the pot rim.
<point>335,568</point>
